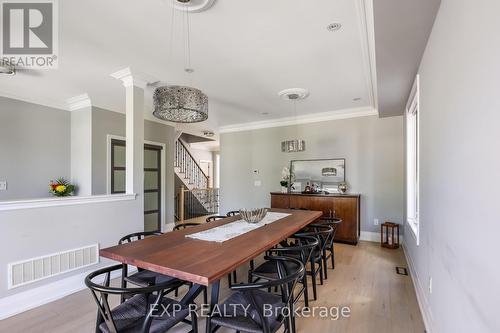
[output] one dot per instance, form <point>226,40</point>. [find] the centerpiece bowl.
<point>253,215</point>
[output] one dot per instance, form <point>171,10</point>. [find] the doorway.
<point>153,211</point>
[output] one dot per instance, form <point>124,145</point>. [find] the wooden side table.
<point>389,228</point>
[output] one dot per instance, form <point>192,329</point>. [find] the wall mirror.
<point>321,175</point>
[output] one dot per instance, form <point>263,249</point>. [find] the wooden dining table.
<point>203,262</point>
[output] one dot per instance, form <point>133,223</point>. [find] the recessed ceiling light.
<point>334,26</point>
<point>294,94</point>
<point>356,99</point>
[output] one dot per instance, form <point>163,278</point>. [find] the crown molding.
<point>133,78</point>
<point>79,102</point>
<point>304,119</point>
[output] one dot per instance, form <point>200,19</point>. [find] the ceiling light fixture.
<point>181,104</point>
<point>334,26</point>
<point>294,94</point>
<point>6,68</point>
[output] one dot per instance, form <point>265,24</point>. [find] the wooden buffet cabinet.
<point>345,207</point>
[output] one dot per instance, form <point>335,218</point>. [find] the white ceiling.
<point>243,52</point>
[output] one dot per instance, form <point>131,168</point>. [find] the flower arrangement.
<point>61,187</point>
<point>286,177</point>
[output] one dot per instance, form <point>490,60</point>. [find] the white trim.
<point>304,119</point>
<point>423,303</point>
<point>132,78</point>
<point>371,236</point>
<point>79,102</point>
<point>66,201</point>
<point>35,297</point>
<point>367,37</point>
<point>163,171</point>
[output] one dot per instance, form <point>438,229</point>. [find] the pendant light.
<point>294,94</point>
<point>181,104</point>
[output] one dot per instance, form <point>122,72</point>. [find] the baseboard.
<point>420,292</point>
<point>371,236</point>
<point>35,297</point>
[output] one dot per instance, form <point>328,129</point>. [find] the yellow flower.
<point>60,188</point>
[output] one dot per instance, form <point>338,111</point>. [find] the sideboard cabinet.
<point>343,206</point>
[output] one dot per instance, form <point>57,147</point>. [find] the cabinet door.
<point>280,201</point>
<point>309,202</point>
<point>347,210</point>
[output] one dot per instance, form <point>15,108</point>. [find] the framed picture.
<point>323,174</point>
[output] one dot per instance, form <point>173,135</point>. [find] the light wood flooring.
<point>364,280</point>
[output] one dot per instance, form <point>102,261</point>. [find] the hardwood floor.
<point>364,280</point>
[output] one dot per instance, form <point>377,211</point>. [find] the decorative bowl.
<point>253,215</point>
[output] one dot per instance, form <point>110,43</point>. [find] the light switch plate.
<point>257,183</point>
<point>3,185</point>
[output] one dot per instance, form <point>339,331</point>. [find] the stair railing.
<point>196,202</point>
<point>189,167</point>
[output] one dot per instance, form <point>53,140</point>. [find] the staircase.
<point>195,198</point>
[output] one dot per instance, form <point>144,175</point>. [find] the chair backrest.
<point>290,271</point>
<point>102,291</point>
<point>138,236</point>
<point>332,222</point>
<point>233,213</point>
<point>301,245</point>
<point>215,218</point>
<point>181,226</point>
<point>323,233</point>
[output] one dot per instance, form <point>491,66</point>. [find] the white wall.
<point>34,148</point>
<point>372,147</point>
<point>459,170</point>
<point>36,232</point>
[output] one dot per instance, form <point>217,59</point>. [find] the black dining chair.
<point>215,218</point>
<point>233,213</point>
<point>143,277</point>
<point>247,307</point>
<point>334,223</point>
<point>146,310</point>
<point>181,226</point>
<point>297,248</point>
<point>322,234</point>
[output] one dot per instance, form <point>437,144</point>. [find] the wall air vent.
<point>36,269</point>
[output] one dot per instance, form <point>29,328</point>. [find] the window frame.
<point>412,115</point>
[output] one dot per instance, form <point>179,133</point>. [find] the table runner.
<point>234,229</point>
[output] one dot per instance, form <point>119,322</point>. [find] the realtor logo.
<point>29,33</point>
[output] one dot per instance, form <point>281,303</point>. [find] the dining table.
<point>204,262</point>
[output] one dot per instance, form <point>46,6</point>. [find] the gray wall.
<point>106,122</point>
<point>459,170</point>
<point>372,147</point>
<point>34,148</point>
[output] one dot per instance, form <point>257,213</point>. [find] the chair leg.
<point>313,274</point>
<point>306,291</point>
<point>123,282</point>
<point>325,265</point>
<point>205,297</point>
<point>320,272</point>
<point>333,257</point>
<point>194,320</point>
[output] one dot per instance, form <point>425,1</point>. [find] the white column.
<point>134,84</point>
<point>81,143</point>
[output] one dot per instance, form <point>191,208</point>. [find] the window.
<point>412,160</point>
